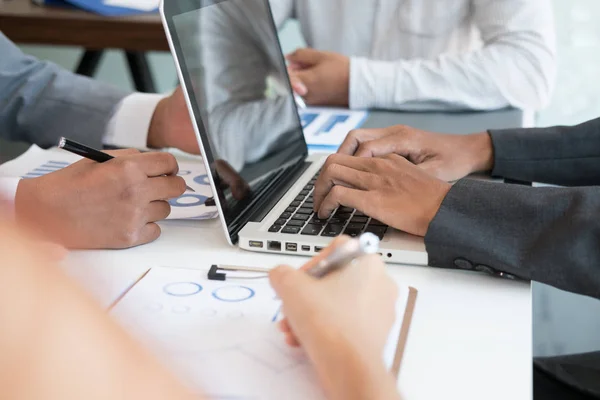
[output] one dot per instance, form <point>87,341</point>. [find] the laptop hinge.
<point>271,197</point>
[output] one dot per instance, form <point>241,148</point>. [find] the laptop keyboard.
<point>299,218</point>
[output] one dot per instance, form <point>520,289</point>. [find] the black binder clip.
<point>215,275</point>
<point>219,273</point>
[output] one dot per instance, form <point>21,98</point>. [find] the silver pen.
<point>299,101</point>
<point>342,255</point>
<point>345,253</point>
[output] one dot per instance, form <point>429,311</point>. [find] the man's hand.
<point>109,205</point>
<point>387,188</point>
<point>171,125</point>
<point>447,157</point>
<point>342,321</point>
<point>321,78</point>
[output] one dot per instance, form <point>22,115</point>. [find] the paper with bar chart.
<point>326,128</point>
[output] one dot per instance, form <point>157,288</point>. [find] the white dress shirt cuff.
<point>8,192</point>
<point>129,125</point>
<point>374,84</point>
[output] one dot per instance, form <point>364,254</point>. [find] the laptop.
<point>234,76</point>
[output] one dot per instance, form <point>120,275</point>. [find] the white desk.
<point>470,337</point>
<point>471,333</point>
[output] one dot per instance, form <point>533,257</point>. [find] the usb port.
<point>305,248</point>
<point>257,244</point>
<point>291,247</point>
<point>274,246</point>
<point>318,249</point>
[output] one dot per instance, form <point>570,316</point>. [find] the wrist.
<point>25,201</point>
<point>431,211</point>
<point>157,126</point>
<point>349,370</point>
<point>482,151</point>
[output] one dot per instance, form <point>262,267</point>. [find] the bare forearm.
<point>348,372</point>
<point>61,344</point>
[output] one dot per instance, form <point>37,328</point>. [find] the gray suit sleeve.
<point>566,156</point>
<point>550,235</point>
<point>39,101</point>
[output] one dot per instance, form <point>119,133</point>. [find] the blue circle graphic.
<point>200,200</point>
<point>233,294</point>
<point>182,289</point>
<point>202,180</point>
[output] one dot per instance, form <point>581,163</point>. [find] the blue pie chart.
<point>233,294</point>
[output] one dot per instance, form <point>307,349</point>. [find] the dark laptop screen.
<point>235,74</point>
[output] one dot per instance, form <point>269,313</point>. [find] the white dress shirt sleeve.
<point>515,67</point>
<point>8,191</point>
<point>129,125</point>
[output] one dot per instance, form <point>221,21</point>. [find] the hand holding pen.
<point>89,152</point>
<point>110,205</point>
<point>339,319</point>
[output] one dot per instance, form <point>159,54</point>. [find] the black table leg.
<point>140,72</point>
<point>88,63</point>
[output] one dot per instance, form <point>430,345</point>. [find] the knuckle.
<point>129,194</point>
<point>167,210</point>
<point>130,170</point>
<point>373,164</point>
<point>282,276</point>
<point>154,233</point>
<point>399,129</point>
<point>168,161</point>
<point>333,169</point>
<point>331,160</point>
<point>179,185</point>
<point>353,133</point>
<point>129,236</point>
<point>336,192</point>
<point>368,147</point>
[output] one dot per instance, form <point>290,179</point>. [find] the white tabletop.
<point>470,337</point>
<point>471,333</point>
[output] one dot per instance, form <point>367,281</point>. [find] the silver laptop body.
<point>234,77</point>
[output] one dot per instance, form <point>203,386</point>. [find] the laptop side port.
<point>291,247</point>
<point>273,245</point>
<point>305,248</point>
<point>318,249</point>
<point>256,244</point>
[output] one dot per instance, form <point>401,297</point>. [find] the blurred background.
<point>563,323</point>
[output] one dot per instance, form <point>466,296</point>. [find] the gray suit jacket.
<point>550,235</point>
<point>39,101</point>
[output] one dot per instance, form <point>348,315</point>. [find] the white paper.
<point>142,5</point>
<point>220,337</point>
<point>326,128</point>
<point>37,162</point>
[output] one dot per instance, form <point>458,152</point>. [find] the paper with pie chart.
<point>191,205</point>
<point>37,162</point>
<point>221,337</point>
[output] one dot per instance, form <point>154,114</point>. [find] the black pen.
<point>88,152</point>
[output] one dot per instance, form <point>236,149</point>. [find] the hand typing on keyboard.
<point>299,218</point>
<point>390,189</point>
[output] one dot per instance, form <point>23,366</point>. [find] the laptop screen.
<point>236,78</point>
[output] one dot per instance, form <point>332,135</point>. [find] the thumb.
<point>55,252</point>
<point>305,57</point>
<point>290,284</point>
